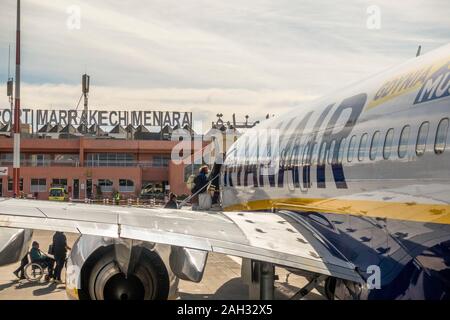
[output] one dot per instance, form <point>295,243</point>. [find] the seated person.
<point>172,203</point>
<point>37,256</point>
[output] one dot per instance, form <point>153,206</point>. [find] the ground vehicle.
<point>149,192</point>
<point>57,194</point>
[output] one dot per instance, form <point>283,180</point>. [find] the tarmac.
<point>221,281</point>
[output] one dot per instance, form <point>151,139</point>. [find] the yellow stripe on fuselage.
<point>432,213</point>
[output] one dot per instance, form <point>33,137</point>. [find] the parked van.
<point>57,194</point>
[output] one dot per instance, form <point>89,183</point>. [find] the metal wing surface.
<point>271,237</point>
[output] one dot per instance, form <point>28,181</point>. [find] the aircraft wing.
<point>275,238</point>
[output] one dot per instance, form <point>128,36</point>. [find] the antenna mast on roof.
<point>419,51</point>
<point>85,87</point>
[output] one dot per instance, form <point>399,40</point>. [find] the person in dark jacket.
<point>172,203</point>
<point>60,248</point>
<point>200,183</point>
<point>201,180</point>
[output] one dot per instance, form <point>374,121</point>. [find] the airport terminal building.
<point>91,160</point>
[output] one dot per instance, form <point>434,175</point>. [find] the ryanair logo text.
<point>431,80</point>
<point>436,86</point>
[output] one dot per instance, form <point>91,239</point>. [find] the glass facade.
<point>110,160</point>
<point>105,185</point>
<point>161,161</point>
<point>126,186</point>
<point>10,184</point>
<point>38,185</point>
<point>42,160</point>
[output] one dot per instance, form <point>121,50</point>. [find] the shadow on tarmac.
<point>44,288</point>
<point>53,287</point>
<point>7,285</point>
<point>235,289</point>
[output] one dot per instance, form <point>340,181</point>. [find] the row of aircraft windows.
<point>376,144</point>
<point>358,148</point>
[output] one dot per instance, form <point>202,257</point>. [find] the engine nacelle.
<point>101,268</point>
<point>14,245</point>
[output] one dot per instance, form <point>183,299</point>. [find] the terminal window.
<point>38,185</point>
<point>6,159</point>
<point>110,160</point>
<point>160,161</point>
<point>105,185</point>
<point>126,186</point>
<point>10,185</point>
<point>40,160</point>
<point>60,183</point>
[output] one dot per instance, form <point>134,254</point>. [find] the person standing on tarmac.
<point>60,248</point>
<point>117,198</point>
<point>20,272</point>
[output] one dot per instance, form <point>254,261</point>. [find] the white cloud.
<point>204,103</point>
<point>256,55</point>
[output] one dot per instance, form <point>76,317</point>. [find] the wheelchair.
<point>35,271</point>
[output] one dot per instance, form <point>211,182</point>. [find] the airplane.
<point>354,194</point>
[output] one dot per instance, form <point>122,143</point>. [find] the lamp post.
<point>16,152</point>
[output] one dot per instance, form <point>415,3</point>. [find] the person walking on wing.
<point>60,248</point>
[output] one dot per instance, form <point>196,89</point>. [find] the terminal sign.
<point>3,171</point>
<point>38,118</point>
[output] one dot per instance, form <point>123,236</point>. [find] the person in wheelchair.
<point>37,256</point>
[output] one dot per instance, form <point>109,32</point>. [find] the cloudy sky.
<point>208,56</point>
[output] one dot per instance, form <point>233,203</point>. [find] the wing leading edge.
<point>274,238</point>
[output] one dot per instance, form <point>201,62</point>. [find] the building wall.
<point>143,151</point>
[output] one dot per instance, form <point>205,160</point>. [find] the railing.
<point>112,163</point>
<point>89,164</point>
<point>132,202</point>
<point>42,163</point>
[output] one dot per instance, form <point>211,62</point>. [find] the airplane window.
<point>292,156</point>
<point>315,153</point>
<point>363,147</point>
<point>403,143</point>
<point>351,149</point>
<point>305,155</point>
<point>374,145</point>
<point>387,150</point>
<point>331,151</point>
<point>422,138</point>
<point>297,154</point>
<point>342,150</point>
<point>323,153</point>
<point>441,136</point>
